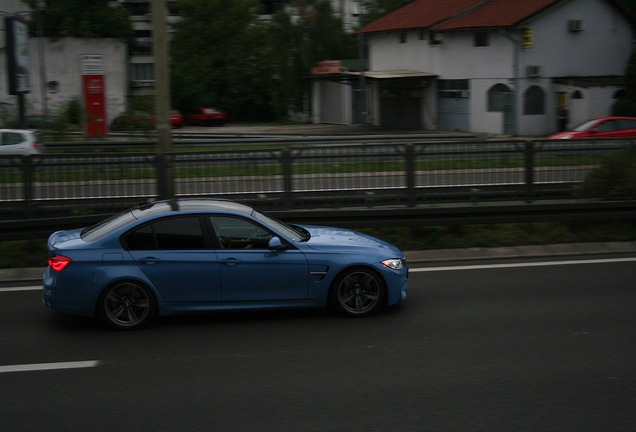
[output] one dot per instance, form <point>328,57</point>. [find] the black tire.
<point>127,305</point>
<point>358,292</point>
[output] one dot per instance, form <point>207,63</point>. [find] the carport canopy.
<point>372,75</point>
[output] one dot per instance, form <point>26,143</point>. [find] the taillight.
<point>59,263</point>
<point>35,145</point>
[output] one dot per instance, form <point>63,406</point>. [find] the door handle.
<point>230,261</point>
<point>149,260</point>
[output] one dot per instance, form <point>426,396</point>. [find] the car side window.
<point>180,233</point>
<point>10,138</point>
<point>236,233</point>
<point>626,124</point>
<point>141,239</point>
<point>606,126</point>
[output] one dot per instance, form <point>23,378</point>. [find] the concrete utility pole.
<point>45,110</point>
<point>165,177</point>
<point>363,86</point>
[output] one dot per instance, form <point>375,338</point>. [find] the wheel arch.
<point>352,267</point>
<point>158,299</point>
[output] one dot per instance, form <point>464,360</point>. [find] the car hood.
<point>566,134</point>
<point>331,239</point>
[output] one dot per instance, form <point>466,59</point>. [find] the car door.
<point>178,259</point>
<point>13,143</point>
<point>250,271</point>
<point>627,128</point>
<point>605,129</point>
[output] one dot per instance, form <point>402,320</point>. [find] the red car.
<point>207,117</point>
<point>176,119</point>
<point>602,127</point>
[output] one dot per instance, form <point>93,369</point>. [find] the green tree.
<point>300,37</point>
<point>219,58</point>
<point>376,9</point>
<point>626,105</point>
<point>82,19</point>
<point>224,55</point>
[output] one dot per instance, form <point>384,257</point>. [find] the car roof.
<point>614,118</point>
<point>189,204</point>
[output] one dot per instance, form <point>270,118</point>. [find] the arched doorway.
<point>501,99</point>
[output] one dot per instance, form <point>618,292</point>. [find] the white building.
<point>494,66</point>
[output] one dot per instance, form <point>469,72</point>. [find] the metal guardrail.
<point>286,174</point>
<point>364,217</point>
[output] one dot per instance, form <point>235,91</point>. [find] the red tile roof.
<point>499,13</point>
<point>420,13</point>
<point>459,14</point>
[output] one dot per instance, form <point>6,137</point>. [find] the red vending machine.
<point>92,67</point>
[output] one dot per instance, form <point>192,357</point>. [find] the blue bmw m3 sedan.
<point>195,255</point>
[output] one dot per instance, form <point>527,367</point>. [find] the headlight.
<point>566,137</point>
<point>394,263</point>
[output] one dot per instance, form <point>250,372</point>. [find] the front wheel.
<point>358,292</point>
<point>127,305</point>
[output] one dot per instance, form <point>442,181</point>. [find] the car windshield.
<point>584,126</point>
<point>293,233</point>
<point>210,111</point>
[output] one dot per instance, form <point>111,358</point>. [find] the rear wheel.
<point>127,305</point>
<point>358,292</point>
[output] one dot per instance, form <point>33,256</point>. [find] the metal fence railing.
<point>319,175</point>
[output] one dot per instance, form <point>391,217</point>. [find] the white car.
<point>20,142</point>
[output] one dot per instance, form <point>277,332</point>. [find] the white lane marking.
<point>48,366</point>
<point>431,269</point>
<point>25,288</point>
<point>512,265</point>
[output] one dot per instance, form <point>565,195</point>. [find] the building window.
<point>270,7</point>
<point>137,9</point>
<point>403,37</point>
<point>141,43</point>
<point>53,86</point>
<point>142,72</point>
<point>577,94</point>
<point>422,34</point>
<point>453,89</point>
<point>534,101</point>
<point>497,97</point>
<point>482,39</point>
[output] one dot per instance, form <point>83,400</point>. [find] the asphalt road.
<point>515,348</point>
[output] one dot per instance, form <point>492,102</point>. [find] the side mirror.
<point>593,130</point>
<point>275,244</point>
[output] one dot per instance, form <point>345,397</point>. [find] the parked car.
<point>20,142</point>
<point>176,119</point>
<point>39,122</point>
<point>194,255</point>
<point>207,117</point>
<point>133,121</point>
<point>602,127</point>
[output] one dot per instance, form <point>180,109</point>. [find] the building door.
<point>332,102</point>
<point>401,104</point>
<point>452,105</point>
<point>509,114</point>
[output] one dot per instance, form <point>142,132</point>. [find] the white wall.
<point>62,64</point>
<point>602,48</point>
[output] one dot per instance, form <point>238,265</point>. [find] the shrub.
<point>615,178</point>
